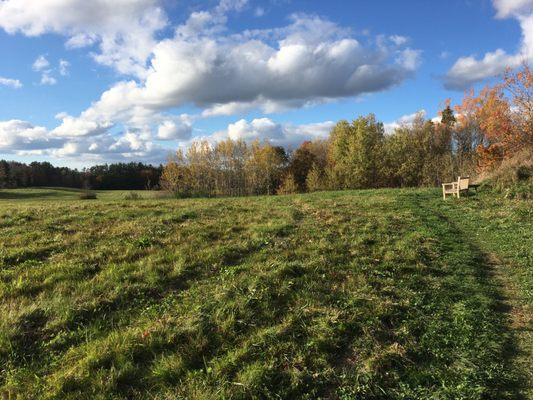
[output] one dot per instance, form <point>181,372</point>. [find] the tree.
<point>301,162</point>
<point>231,157</point>
<point>288,185</point>
<point>176,177</point>
<point>467,135</point>
<point>519,86</point>
<point>264,168</point>
<point>355,153</point>
<point>4,174</point>
<point>316,179</point>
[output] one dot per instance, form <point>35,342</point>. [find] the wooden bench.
<point>455,188</point>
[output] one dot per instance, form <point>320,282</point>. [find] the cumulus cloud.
<point>172,130</point>
<point>265,129</point>
<point>123,29</point>
<point>399,40</point>
<point>47,79</point>
<point>14,83</point>
<point>64,65</point>
<point>309,61</point>
<point>507,8</point>
<point>21,135</point>
<point>312,59</point>
<point>23,138</point>
<point>404,120</point>
<point>40,63</point>
<point>468,70</point>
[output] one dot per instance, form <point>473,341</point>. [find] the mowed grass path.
<point>379,294</point>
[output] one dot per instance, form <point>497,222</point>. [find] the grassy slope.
<point>369,294</point>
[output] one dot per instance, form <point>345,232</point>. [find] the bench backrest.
<point>463,182</point>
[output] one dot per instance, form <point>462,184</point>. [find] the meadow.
<point>371,294</point>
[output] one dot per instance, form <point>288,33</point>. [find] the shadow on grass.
<point>512,383</point>
<point>38,192</point>
<point>26,195</point>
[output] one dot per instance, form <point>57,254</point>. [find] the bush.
<point>163,194</point>
<point>87,195</point>
<point>132,196</point>
<point>288,185</point>
<point>513,177</point>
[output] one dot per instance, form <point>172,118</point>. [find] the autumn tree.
<point>408,156</point>
<point>301,162</point>
<point>519,87</point>
<point>176,177</point>
<point>355,152</point>
<point>264,168</point>
<point>288,184</point>
<point>231,157</point>
<point>316,179</point>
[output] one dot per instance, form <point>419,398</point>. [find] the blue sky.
<point>132,80</point>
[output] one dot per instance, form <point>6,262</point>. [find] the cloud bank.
<point>308,61</point>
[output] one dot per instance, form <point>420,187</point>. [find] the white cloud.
<point>507,8</point>
<point>14,83</point>
<point>123,29</point>
<point>75,127</point>
<point>399,40</point>
<point>21,135</point>
<point>47,79</point>
<point>40,63</point>
<point>468,70</point>
<point>409,59</point>
<point>404,120</point>
<point>171,130</point>
<point>265,129</point>
<point>23,138</point>
<point>311,60</point>
<point>64,65</point>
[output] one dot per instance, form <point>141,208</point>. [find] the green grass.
<point>378,294</point>
<point>55,194</point>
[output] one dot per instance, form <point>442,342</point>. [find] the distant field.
<point>54,194</point>
<point>376,294</point>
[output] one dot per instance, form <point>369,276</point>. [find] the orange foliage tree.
<point>519,87</point>
<point>503,116</point>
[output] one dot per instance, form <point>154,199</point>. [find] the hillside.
<point>343,295</point>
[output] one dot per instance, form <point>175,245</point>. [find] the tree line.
<point>125,176</point>
<point>471,138</point>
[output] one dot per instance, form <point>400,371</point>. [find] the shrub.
<point>288,185</point>
<point>163,194</point>
<point>514,176</point>
<point>87,195</point>
<point>132,196</point>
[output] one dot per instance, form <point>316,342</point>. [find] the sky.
<point>88,82</point>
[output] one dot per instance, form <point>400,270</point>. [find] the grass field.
<point>378,294</point>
